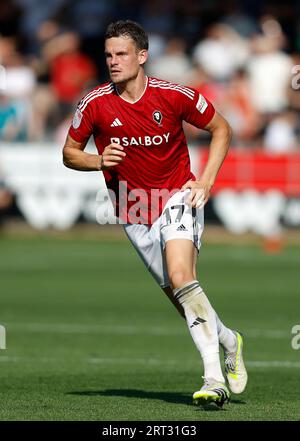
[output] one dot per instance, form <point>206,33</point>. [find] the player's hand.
<point>199,194</point>
<point>112,155</point>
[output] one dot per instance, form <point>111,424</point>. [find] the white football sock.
<point>227,337</point>
<point>201,320</point>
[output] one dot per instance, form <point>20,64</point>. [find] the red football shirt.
<point>150,130</point>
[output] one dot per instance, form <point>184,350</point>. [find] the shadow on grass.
<point>235,401</point>
<point>169,397</point>
<point>213,407</point>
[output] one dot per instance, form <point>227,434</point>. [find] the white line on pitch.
<point>274,363</point>
<point>76,328</point>
<point>148,361</point>
<point>66,328</point>
<point>256,363</point>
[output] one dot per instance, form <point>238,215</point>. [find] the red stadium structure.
<point>255,169</point>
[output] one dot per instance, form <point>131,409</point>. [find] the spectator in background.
<point>239,110</point>
<point>70,70</point>
<point>233,100</point>
<point>200,80</point>
<point>280,135</point>
<point>20,84</point>
<point>9,125</point>
<point>89,19</point>
<point>173,64</point>
<point>35,12</point>
<point>215,91</point>
<point>237,19</point>
<point>20,78</point>
<point>158,44</point>
<point>240,64</point>
<point>269,69</point>
<point>64,73</point>
<point>222,52</point>
<point>157,16</point>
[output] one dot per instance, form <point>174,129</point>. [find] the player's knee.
<point>179,277</point>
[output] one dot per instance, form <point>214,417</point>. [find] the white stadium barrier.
<point>47,193</point>
<point>50,195</point>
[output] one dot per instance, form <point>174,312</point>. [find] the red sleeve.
<point>197,111</point>
<point>82,125</point>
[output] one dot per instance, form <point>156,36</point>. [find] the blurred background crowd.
<point>239,54</point>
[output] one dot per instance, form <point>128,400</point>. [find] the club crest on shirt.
<point>157,116</point>
<point>77,119</point>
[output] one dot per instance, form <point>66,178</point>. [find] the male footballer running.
<point>136,122</point>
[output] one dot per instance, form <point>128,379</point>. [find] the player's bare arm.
<point>76,158</point>
<point>221,136</point>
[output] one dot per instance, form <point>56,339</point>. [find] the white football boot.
<point>212,391</point>
<point>235,368</point>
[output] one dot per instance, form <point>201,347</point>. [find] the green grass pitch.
<point>91,337</point>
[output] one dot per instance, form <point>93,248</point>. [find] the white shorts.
<point>177,221</point>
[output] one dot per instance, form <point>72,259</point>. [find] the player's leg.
<point>232,344</point>
<point>147,242</point>
<point>178,222</point>
<point>169,293</point>
<point>200,316</point>
<point>227,337</point>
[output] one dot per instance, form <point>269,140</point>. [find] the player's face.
<point>123,59</point>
